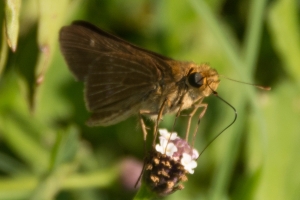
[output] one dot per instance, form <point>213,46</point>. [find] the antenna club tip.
<point>266,88</point>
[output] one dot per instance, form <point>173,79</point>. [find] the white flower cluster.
<point>177,148</point>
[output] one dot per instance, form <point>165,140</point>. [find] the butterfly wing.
<point>118,76</point>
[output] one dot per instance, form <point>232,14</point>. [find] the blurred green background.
<point>47,151</point>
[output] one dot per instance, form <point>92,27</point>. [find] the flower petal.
<point>188,163</point>
<point>195,154</point>
<point>170,149</point>
<point>167,135</point>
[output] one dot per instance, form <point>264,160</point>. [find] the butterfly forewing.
<point>117,74</point>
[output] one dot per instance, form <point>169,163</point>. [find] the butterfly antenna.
<point>235,117</point>
<point>255,85</point>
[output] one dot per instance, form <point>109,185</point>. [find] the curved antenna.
<point>235,117</point>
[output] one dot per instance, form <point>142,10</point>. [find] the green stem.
<point>144,193</point>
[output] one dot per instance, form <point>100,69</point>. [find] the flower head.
<point>166,166</point>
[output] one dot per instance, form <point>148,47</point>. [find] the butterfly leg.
<point>159,117</point>
<point>144,129</point>
<point>191,114</point>
<point>198,122</point>
<point>177,115</point>
<point>143,126</point>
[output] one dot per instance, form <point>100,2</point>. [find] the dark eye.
<point>195,79</point>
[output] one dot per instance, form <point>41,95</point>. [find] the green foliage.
<point>47,151</point>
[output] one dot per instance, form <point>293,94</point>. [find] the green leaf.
<point>12,12</point>
<point>65,148</point>
<point>284,25</point>
<point>18,127</point>
<point>3,49</point>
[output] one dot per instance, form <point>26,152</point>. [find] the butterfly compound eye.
<point>195,79</point>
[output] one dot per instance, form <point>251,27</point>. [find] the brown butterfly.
<point>122,79</point>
